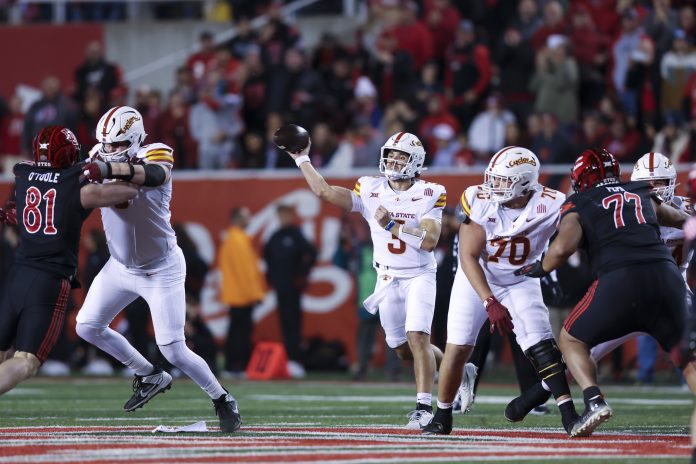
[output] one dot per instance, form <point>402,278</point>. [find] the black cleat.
<point>517,409</point>
<point>227,410</point>
<point>436,428</point>
<point>597,413</point>
<point>147,386</point>
<point>441,424</point>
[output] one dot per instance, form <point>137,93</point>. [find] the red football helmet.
<point>593,166</point>
<point>57,146</point>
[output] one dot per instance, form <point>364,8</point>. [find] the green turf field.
<point>323,421</point>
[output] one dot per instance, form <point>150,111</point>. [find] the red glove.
<point>8,215</point>
<point>498,315</point>
<point>97,171</point>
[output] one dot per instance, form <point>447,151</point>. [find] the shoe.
<point>147,386</point>
<point>597,413</point>
<point>466,389</point>
<point>540,410</point>
<point>441,424</point>
<point>418,419</point>
<point>517,409</point>
<point>227,410</point>
<point>296,370</point>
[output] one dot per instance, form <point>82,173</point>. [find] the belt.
<point>386,268</point>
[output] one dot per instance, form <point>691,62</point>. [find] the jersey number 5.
<point>619,200</point>
<point>31,215</point>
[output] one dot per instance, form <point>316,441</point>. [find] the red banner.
<point>31,53</point>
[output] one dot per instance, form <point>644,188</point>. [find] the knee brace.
<point>546,359</point>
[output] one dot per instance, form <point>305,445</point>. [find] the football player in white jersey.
<point>506,222</point>
<point>404,214</point>
<point>145,261</point>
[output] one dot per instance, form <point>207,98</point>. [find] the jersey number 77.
<point>619,201</point>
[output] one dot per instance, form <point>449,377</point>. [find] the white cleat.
<point>466,389</point>
<point>418,419</point>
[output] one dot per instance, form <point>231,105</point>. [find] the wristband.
<point>125,177</point>
<point>408,238</point>
<point>389,225</point>
<point>302,159</point>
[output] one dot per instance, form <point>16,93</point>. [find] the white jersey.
<point>139,233</point>
<point>422,200</point>
<point>674,238</point>
<point>514,237</point>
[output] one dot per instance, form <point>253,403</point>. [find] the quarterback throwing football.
<point>145,261</point>
<point>404,214</point>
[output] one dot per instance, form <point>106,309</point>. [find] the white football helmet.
<point>120,124</point>
<point>512,172</point>
<point>656,166</point>
<point>406,143</point>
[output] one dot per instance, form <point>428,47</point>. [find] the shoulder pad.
<point>358,183</point>
<point>156,153</point>
<point>551,194</point>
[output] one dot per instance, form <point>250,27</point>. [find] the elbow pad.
<point>155,175</point>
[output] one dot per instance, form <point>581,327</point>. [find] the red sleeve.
<point>483,63</point>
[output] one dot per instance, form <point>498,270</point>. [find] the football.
<point>291,138</point>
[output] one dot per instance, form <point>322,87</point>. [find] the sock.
<point>535,396</point>
<point>424,401</point>
<point>443,415</point>
<point>568,413</point>
<point>138,366</point>
<point>591,393</point>
<point>444,405</point>
<point>193,365</point>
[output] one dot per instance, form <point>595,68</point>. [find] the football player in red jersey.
<point>618,223</point>
<point>53,199</point>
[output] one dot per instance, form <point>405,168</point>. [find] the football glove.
<point>534,269</point>
<point>551,289</point>
<point>498,315</point>
<point>96,171</point>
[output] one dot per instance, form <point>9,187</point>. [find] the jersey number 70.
<point>31,214</point>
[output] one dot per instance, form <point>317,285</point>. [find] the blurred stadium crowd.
<point>467,77</point>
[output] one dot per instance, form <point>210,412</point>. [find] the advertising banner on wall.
<point>202,203</point>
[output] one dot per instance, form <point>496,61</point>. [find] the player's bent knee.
<point>546,358</point>
<point>30,363</point>
<point>174,352</point>
<point>86,332</point>
<point>403,352</point>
